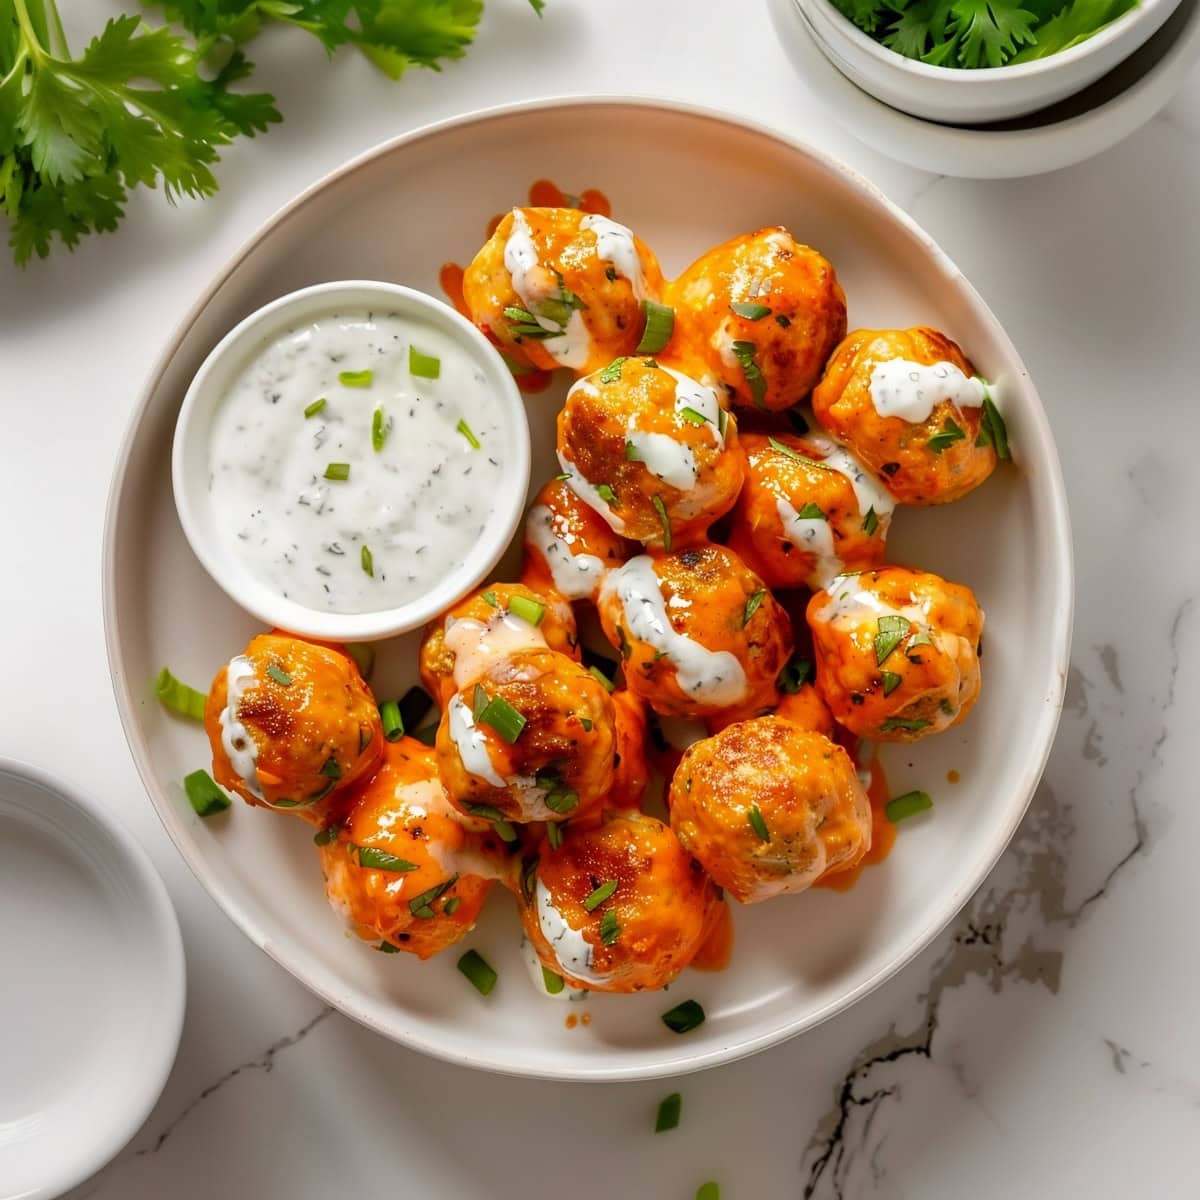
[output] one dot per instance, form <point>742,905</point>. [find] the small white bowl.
<point>955,96</point>
<point>212,544</point>
<point>93,994</point>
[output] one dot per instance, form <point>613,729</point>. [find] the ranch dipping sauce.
<point>353,461</point>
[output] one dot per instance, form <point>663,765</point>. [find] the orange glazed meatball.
<point>403,869</point>
<point>650,449</point>
<point>763,313</point>
<point>768,807</point>
<point>556,287</point>
<point>697,631</point>
<point>618,907</point>
<point>568,545</point>
<point>631,767</point>
<point>808,511</point>
<point>292,725</point>
<point>909,404</point>
<point>530,738</point>
<point>896,652</point>
<point>490,624</point>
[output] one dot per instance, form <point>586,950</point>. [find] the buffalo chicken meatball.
<point>403,868</point>
<point>697,631</point>
<point>650,449</point>
<point>568,545</point>
<point>897,652</point>
<point>556,287</point>
<point>618,907</point>
<point>631,766</point>
<point>763,312</point>
<point>909,404</point>
<point>768,808</point>
<point>490,624</point>
<point>531,738</point>
<point>808,511</point>
<point>292,725</point>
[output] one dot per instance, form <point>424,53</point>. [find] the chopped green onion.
<point>892,630</point>
<point>368,561</point>
<point>562,477</point>
<point>752,606</point>
<point>891,681</point>
<point>663,520</point>
<point>693,416</point>
<point>992,430</point>
<point>708,1191</point>
<point>605,492</point>
<point>388,948</point>
<point>529,877</point>
<point>612,372</point>
<point>751,371</point>
<point>911,725</point>
<point>525,325</point>
<point>331,768</point>
<point>503,827</point>
<point>631,453</point>
<point>379,429</point>
<point>795,455</point>
<point>602,678</point>
<point>601,894</point>
<point>392,721</point>
<point>793,676</point>
<point>907,805</point>
<point>479,701</point>
<point>752,312</point>
<point>490,597</point>
<point>503,718</point>
<point>722,421</point>
<point>586,722</point>
<point>315,407</point>
<point>423,366</point>
<point>451,905</point>
<point>324,836</point>
<point>422,905</point>
<point>949,433</point>
<point>278,674</point>
<point>554,834</point>
<point>551,982</point>
<point>363,654</point>
<point>610,927</point>
<point>668,1113</point>
<point>338,471</point>
<point>381,860</point>
<point>922,639</point>
<point>683,1017</point>
<point>870,522</point>
<point>178,697</point>
<point>467,432</point>
<point>480,973</point>
<point>205,797</point>
<point>356,379</point>
<point>529,611</point>
<point>812,512</point>
<point>561,800</point>
<point>660,324</point>
<point>759,824</point>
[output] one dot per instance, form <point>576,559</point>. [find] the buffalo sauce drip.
<point>543,193</point>
<point>717,947</point>
<point>883,834</point>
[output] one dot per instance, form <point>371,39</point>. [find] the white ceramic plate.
<point>92,987</point>
<point>684,179</point>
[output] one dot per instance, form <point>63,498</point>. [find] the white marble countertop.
<point>1045,1046</point>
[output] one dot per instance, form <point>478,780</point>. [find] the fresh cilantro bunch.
<point>981,33</point>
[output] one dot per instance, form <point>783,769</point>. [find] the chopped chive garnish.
<point>668,1113</point>
<point>178,697</point>
<point>554,834</point>
<point>525,325</point>
<point>812,512</point>
<point>907,805</point>
<point>388,948</point>
<point>503,718</point>
<point>708,1191</point>
<point>693,416</point>
<point>612,372</point>
<point>759,824</point>
<point>796,456</point>
<point>315,407</point>
<point>422,905</point>
<point>469,434</point>
<point>562,477</point>
<point>363,654</point>
<point>891,681</point>
<point>755,380</point>
<point>910,725</point>
<point>752,605</point>
<point>480,973</point>
<point>605,492</point>
<point>663,520</point>
<point>479,701</point>
<point>392,721</point>
<point>586,722</point>
<point>451,905</point>
<point>527,610</point>
<point>368,561</point>
<point>660,323</point>
<point>722,421</point>
<point>359,379</point>
<point>490,597</point>
<point>949,433</point>
<point>551,982</point>
<point>683,1017</point>
<point>870,522</point>
<point>379,429</point>
<point>278,674</point>
<point>338,471</point>
<point>631,453</point>
<point>503,827</point>
<point>892,630</point>
<point>601,894</point>
<point>610,927</point>
<point>793,676</point>
<point>603,679</point>
<point>752,312</point>
<point>331,768</point>
<point>324,836</point>
<point>423,366</point>
<point>203,794</point>
<point>381,860</point>
<point>561,800</point>
<point>992,430</point>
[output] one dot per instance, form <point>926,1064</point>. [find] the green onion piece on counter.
<point>338,471</point>
<point>205,797</point>
<point>324,836</point>
<point>381,860</point>
<point>759,824</point>
<point>422,905</point>
<point>315,407</point>
<point>277,673</point>
<point>908,805</point>
<point>684,1017</point>
<point>610,927</point>
<point>392,721</point>
<point>423,366</point>
<point>467,432</point>
<point>554,834</point>
<point>604,679</point>
<point>503,718</point>
<point>668,1113</point>
<point>752,312</point>
<point>178,697</point>
<point>756,381</point>
<point>451,905</point>
<point>379,429</point>
<point>527,610</point>
<point>601,894</point>
<point>693,416</point>
<point>551,982</point>
<point>752,606</point>
<point>368,561</point>
<point>663,520</point>
<point>480,973</point>
<point>356,379</point>
<point>363,654</point>
<point>892,631</point>
<point>870,522</point>
<point>708,1191</point>
<point>612,372</point>
<point>660,324</point>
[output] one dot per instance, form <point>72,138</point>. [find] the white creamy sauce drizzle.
<point>476,645</point>
<point>698,396</point>
<point>235,737</point>
<point>868,489</point>
<point>575,575</point>
<point>471,743</point>
<point>573,951</point>
<point>851,604</point>
<point>813,535</point>
<point>911,391</point>
<point>419,504</point>
<point>615,244</point>
<point>588,494</point>
<point>709,676</point>
<point>665,458</point>
<point>533,965</point>
<point>569,345</point>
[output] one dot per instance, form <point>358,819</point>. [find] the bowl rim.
<point>1010,73</point>
<point>235,579</point>
<point>1050,703</point>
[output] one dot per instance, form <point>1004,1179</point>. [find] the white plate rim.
<point>1050,704</point>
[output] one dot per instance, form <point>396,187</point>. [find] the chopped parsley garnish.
<point>668,1113</point>
<point>693,416</point>
<point>467,432</point>
<point>752,605</point>
<point>338,471</point>
<point>178,696</point>
<point>610,927</point>
<point>423,366</point>
<point>751,311</point>
<point>759,824</point>
<point>602,893</point>
<point>391,720</point>
<point>891,681</point>
<point>203,794</point>
<point>279,675</point>
<point>812,512</point>
<point>368,561</point>
<point>870,522</point>
<point>794,676</point>
<point>659,325</point>
<point>892,630</point>
<point>479,971</point>
<point>894,723</point>
<point>379,429</point>
<point>529,611</point>
<point>907,805</point>
<point>381,860</point>
<point>315,407</point>
<point>755,380</point>
<point>992,430</point>
<point>612,372</point>
<point>684,1017</point>
<point>356,379</point>
<point>663,520</point>
<point>949,433</point>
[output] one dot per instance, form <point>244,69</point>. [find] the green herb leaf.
<point>203,794</point>
<point>759,824</point>
<point>389,948</point>
<point>277,673</point>
<point>891,681</point>
<point>992,430</point>
<point>605,492</point>
<point>795,455</point>
<point>491,598</point>
<point>708,1191</point>
<point>561,800</point>
<point>338,471</point>
<point>392,721</point>
<point>752,312</point>
<point>602,893</point>
<point>379,429</point>
<point>315,407</point>
<point>356,379</point>
<point>752,605</point>
<point>612,372</point>
<point>812,512</point>
<point>423,366</point>
<point>178,697</point>
<point>745,352</point>
<point>793,676</point>
<point>500,823</point>
<point>380,860</point>
<point>503,718</point>
<point>668,1113</point>
<point>368,561</point>
<point>331,768</point>
<point>554,833</point>
<point>467,432</point>
<point>693,416</point>
<point>529,611</point>
<point>663,520</point>
<point>324,836</point>
<point>422,906</point>
<point>894,723</point>
<point>551,982</point>
<point>949,433</point>
<point>610,927</point>
<point>451,905</point>
<point>907,805</point>
<point>1074,24</point>
<point>683,1018</point>
<point>480,973</point>
<point>631,452</point>
<point>870,522</point>
<point>658,327</point>
<point>602,678</point>
<point>892,630</point>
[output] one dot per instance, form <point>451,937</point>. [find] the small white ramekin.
<point>213,546</point>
